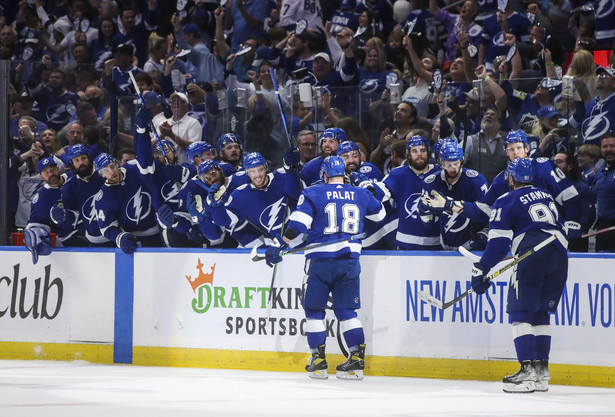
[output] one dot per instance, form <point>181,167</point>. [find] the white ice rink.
<point>66,389</point>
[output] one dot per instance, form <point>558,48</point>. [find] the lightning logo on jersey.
<point>413,202</point>
<point>88,211</point>
<point>135,208</point>
<point>269,216</point>
<point>595,126</point>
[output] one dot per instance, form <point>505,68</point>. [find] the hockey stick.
<point>138,91</point>
<point>430,299</point>
<point>473,257</point>
<point>256,257</point>
<point>597,232</point>
<point>277,94</point>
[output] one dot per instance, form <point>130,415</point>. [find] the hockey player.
<point>361,173</point>
<point>194,210</point>
<point>78,194</point>
<point>128,199</point>
<point>263,201</point>
<point>124,204</point>
<point>328,212</point>
<point>546,175</point>
<point>460,184</point>
<point>229,151</point>
<point>405,185</point>
<point>329,141</point>
<point>199,152</point>
<point>48,195</point>
<point>523,218</point>
<point>351,155</point>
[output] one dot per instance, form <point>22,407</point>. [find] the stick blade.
<point>254,254</point>
<point>468,254</point>
<point>429,299</point>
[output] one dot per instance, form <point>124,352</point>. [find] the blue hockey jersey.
<point>546,175</point>
<point>456,228</point>
<point>406,187</point>
<point>516,214</point>
<point>330,212</point>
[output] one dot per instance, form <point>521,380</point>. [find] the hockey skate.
<point>317,365</point>
<point>523,381</point>
<point>354,366</point>
<point>541,367</point>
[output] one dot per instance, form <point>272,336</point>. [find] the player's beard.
<point>419,163</point>
<point>85,170</point>
<point>452,177</point>
<point>351,167</point>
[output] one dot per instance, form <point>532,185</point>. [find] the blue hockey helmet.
<point>166,143</point>
<point>417,140</point>
<point>103,160</point>
<point>76,150</point>
<point>450,151</point>
<point>521,170</point>
<point>515,136</point>
<point>347,146</point>
<point>333,166</point>
<point>334,133</point>
<point>226,139</point>
<point>197,149</point>
<point>207,165</point>
<point>253,160</point>
<point>440,143</point>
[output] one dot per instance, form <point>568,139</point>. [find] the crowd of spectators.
<point>269,72</point>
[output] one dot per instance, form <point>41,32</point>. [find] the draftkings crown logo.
<point>200,287</point>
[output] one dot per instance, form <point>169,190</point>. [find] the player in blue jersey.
<point>329,141</point>
<point>328,212</point>
<point>546,175</point>
<point>230,151</point>
<point>78,194</point>
<point>357,173</point>
<point>194,210</point>
<point>262,202</point>
<point>48,195</point>
<point>523,218</point>
<point>405,185</point>
<point>124,206</point>
<point>459,184</point>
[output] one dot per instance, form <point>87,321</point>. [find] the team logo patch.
<point>430,179</point>
<point>471,173</point>
<point>365,169</point>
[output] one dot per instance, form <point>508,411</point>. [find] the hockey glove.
<point>58,214</point>
<point>126,242</point>
<point>439,203</point>
<point>479,242</point>
<point>357,178</point>
<point>423,206</point>
<point>142,119</point>
<point>291,157</point>
<point>273,253</point>
<point>573,229</point>
<point>166,217</point>
<point>194,204</point>
<point>480,284</point>
<point>213,201</point>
